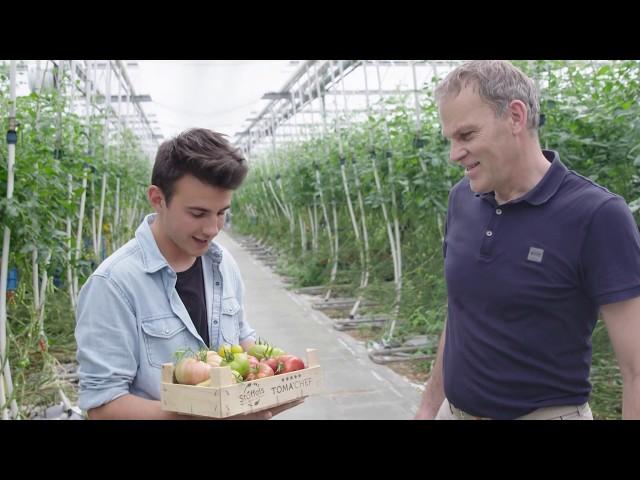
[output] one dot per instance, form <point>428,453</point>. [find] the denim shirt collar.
<point>152,258</point>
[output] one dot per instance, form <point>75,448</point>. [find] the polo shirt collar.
<point>546,187</point>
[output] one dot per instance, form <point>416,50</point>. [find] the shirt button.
<point>215,322</point>
<point>166,330</point>
<point>489,233</point>
<point>498,211</point>
<point>217,283</point>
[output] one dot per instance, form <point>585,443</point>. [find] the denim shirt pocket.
<point>163,336</point>
<point>229,322</point>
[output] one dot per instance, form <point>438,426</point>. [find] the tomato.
<point>238,362</point>
<point>190,371</point>
<point>257,350</point>
<point>253,361</point>
<point>272,362</point>
<point>289,363</point>
<point>277,352</point>
<point>264,350</point>
<point>260,371</point>
<point>213,359</point>
<point>223,349</point>
<point>237,349</point>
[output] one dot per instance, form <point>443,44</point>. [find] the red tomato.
<point>253,361</point>
<point>272,362</point>
<point>261,370</point>
<point>289,363</point>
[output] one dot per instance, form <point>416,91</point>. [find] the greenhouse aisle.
<point>353,386</point>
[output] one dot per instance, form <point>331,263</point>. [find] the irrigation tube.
<point>100,217</point>
<point>333,247</point>
<point>354,223</point>
<point>303,235</point>
<point>347,194</point>
<point>315,242</point>
<point>376,176</point>
<point>267,196</point>
<point>70,273</point>
<point>83,199</point>
<point>115,235</point>
<point>107,95</point>
<point>364,252</point>
<point>314,231</point>
<point>394,210</point>
<point>275,166</point>
<point>313,216</point>
<point>115,230</point>
<point>419,142</point>
<point>5,372</point>
<point>418,139</point>
<point>42,296</point>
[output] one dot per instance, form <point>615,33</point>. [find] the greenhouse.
<point>339,230</point>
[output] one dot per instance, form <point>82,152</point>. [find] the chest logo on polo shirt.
<point>535,254</point>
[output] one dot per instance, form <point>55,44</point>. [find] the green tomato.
<point>240,363</point>
<point>276,352</point>
<point>257,351</point>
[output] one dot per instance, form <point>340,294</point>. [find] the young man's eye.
<point>197,215</point>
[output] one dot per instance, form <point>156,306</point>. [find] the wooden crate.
<point>225,398</point>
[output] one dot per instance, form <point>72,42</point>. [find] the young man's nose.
<point>212,228</point>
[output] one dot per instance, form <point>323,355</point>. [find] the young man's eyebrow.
<point>206,210</point>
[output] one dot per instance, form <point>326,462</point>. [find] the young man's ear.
<point>517,112</point>
<point>156,198</point>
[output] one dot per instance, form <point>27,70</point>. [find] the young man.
<point>169,288</point>
<point>533,252</point>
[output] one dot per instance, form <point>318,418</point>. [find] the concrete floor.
<point>353,386</point>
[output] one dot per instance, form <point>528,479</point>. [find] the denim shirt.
<point>130,319</point>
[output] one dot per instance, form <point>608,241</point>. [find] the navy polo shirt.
<point>525,281</point>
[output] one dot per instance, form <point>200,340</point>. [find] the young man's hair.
<point>497,82</point>
<point>203,153</point>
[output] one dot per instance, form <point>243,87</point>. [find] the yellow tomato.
<point>224,348</point>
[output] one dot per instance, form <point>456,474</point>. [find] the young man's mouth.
<point>200,242</point>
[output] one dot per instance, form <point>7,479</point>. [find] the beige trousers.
<point>578,412</point>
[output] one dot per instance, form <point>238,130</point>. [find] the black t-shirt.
<point>190,287</point>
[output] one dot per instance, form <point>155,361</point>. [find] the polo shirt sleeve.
<point>610,257</point>
<point>107,342</point>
